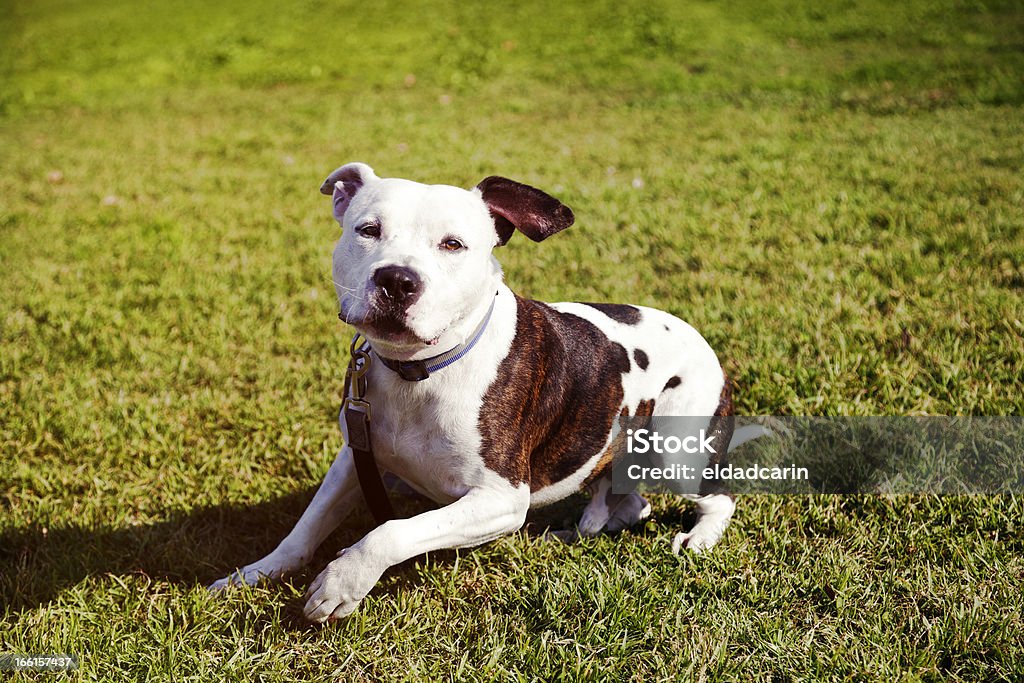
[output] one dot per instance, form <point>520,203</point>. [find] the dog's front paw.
<point>270,568</point>
<point>339,589</point>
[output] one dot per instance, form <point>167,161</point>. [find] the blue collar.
<point>419,370</point>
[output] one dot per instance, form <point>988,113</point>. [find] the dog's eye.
<point>452,244</point>
<point>371,230</point>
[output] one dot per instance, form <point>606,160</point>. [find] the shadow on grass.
<point>189,547</point>
<point>198,546</point>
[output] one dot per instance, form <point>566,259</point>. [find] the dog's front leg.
<point>481,515</point>
<point>334,500</point>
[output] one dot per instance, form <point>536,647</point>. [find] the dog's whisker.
<point>351,292</point>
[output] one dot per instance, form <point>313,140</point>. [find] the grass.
<point>833,196</point>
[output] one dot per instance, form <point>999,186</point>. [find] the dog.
<point>522,417</point>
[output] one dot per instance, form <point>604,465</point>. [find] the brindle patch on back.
<point>551,406</point>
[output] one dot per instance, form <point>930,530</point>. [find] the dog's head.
<point>414,261</point>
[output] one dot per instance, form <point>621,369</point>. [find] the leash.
<point>355,410</point>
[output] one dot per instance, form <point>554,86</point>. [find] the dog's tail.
<point>748,433</point>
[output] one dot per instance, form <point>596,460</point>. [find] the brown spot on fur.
<point>621,313</point>
<point>618,445</point>
<point>720,428</point>
<point>551,406</point>
<point>672,383</point>
<point>645,408</point>
<point>640,356</point>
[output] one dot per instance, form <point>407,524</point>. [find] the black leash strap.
<point>356,413</point>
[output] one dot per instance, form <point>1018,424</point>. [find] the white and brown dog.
<point>521,415</point>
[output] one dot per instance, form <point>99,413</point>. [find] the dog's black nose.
<point>398,284</point>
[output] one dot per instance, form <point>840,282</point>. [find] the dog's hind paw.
<point>697,540</point>
<point>633,509</point>
<point>563,535</point>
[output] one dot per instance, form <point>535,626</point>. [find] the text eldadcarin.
<point>650,442</point>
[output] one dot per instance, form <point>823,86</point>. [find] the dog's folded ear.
<point>515,206</point>
<point>343,184</point>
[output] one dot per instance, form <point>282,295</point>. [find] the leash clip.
<point>358,366</point>
<point>355,408</point>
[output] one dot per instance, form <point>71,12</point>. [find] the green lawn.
<point>833,195</point>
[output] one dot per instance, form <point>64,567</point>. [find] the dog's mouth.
<point>389,326</point>
<point>394,331</point>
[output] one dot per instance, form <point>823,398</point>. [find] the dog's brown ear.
<point>515,206</point>
<point>343,184</point>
